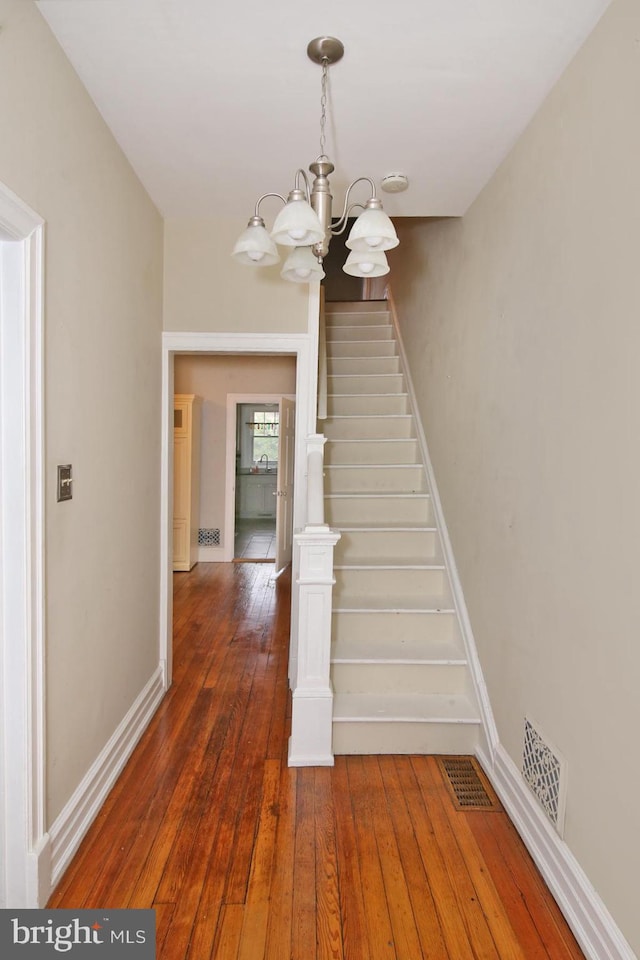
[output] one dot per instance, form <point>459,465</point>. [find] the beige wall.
<point>205,290</point>
<point>103,327</point>
<point>212,378</point>
<point>526,318</point>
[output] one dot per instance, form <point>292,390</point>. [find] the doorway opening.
<point>256,481</point>
<point>260,489</point>
<point>228,347</point>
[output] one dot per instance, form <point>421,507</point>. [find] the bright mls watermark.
<point>78,934</point>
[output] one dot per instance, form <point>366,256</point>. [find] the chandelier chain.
<point>323,105</point>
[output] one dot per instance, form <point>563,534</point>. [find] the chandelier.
<point>305,222</point>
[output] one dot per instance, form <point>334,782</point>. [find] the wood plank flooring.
<point>244,858</point>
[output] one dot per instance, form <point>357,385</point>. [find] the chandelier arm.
<point>342,224</point>
<point>301,172</point>
<point>264,197</point>
<point>346,210</point>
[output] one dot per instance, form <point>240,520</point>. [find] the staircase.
<point>400,676</point>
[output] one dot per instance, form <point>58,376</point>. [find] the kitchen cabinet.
<point>256,495</point>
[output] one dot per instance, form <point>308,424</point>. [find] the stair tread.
<point>386,358</point>
<point>340,355</point>
<point>372,440</point>
<point>384,528</point>
<point>364,396</point>
<point>382,495</point>
<point>372,466</point>
<point>369,319</point>
<point>369,416</point>
<point>355,604</point>
<point>416,707</point>
<point>389,563</point>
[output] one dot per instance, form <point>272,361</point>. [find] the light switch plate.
<point>65,482</point>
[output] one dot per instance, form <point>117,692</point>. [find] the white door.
<point>284,491</point>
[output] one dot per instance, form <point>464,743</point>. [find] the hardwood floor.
<point>243,857</point>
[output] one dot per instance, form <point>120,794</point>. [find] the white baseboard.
<point>210,554</point>
<point>592,924</point>
<point>39,872</point>
<point>75,819</point>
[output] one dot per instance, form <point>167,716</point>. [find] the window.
<point>258,434</point>
<point>264,439</point>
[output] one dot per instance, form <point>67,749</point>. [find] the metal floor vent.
<point>467,784</point>
<point>544,769</point>
<point>209,537</point>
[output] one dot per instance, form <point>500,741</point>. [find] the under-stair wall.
<point>400,669</point>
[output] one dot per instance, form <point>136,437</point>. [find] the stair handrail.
<point>322,361</point>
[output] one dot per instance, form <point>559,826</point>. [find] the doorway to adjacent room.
<point>260,467</point>
<point>256,477</point>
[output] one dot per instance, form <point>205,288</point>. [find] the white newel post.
<point>312,700</point>
<point>315,480</point>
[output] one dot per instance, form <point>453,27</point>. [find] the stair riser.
<point>377,331</point>
<point>346,510</point>
<point>363,365</point>
<point>371,451</point>
<point>381,405</point>
<point>386,678</point>
<point>368,428</point>
<point>404,738</point>
<point>402,583</point>
<point>364,348</point>
<point>408,544</point>
<point>374,383</point>
<point>374,630</point>
<point>352,318</point>
<point>384,479</point>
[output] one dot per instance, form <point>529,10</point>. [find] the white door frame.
<point>25,863</point>
<point>304,348</point>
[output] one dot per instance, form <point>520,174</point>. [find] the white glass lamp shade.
<point>301,266</point>
<point>297,224</point>
<point>366,263</point>
<point>373,230</point>
<point>255,247</point>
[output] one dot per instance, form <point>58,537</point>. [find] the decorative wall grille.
<point>209,537</point>
<point>544,769</point>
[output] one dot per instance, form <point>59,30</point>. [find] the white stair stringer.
<point>401,680</point>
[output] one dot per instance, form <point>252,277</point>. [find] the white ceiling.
<point>215,104</point>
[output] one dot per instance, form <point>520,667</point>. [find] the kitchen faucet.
<point>264,457</point>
